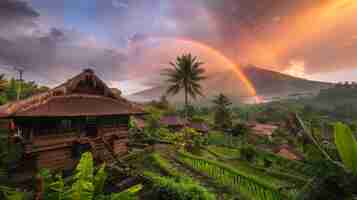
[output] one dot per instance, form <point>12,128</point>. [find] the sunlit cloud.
<point>296,68</point>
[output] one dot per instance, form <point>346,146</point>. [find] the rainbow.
<point>218,55</point>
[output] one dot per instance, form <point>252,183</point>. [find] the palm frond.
<point>185,74</point>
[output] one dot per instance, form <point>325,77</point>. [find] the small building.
<point>199,127</point>
<point>259,129</point>
<point>82,114</point>
<point>174,123</point>
<point>288,152</point>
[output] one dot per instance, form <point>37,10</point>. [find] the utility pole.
<point>19,89</point>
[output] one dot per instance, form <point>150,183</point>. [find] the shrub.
<point>163,188</point>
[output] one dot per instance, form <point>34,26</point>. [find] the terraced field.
<point>220,172</point>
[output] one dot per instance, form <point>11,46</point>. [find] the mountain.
<point>269,85</point>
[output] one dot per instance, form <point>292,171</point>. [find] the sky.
<point>127,42</point>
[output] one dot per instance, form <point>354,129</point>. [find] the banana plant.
<point>347,146</point>
<point>83,187</point>
<point>306,131</point>
<point>86,185</point>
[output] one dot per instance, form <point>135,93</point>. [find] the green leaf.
<point>85,167</point>
<point>99,179</point>
<point>82,190</point>
<point>83,187</point>
<point>346,146</point>
<point>12,194</point>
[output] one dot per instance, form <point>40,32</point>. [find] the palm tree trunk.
<point>186,104</point>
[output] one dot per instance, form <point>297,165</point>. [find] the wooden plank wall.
<point>58,159</point>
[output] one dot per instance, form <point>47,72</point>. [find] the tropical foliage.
<point>87,183</point>
<point>346,146</point>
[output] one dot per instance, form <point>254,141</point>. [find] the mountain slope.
<point>271,83</point>
<point>268,85</point>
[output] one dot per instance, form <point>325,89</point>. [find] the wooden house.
<point>82,114</point>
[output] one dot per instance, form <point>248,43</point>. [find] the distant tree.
<point>9,89</point>
<point>222,115</point>
<point>185,74</point>
<point>3,82</point>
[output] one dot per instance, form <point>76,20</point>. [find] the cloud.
<point>270,33</point>
<point>50,52</point>
<point>120,4</point>
<point>266,33</point>
<point>12,11</point>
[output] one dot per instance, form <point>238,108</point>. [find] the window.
<point>66,124</point>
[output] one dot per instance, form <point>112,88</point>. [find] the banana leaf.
<point>346,146</point>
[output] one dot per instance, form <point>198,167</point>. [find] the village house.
<point>82,114</point>
<point>176,123</point>
<point>288,152</point>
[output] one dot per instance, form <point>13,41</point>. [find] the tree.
<point>222,115</point>
<point>185,74</point>
<point>3,82</point>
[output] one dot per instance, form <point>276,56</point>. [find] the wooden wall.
<point>120,146</point>
<point>58,159</point>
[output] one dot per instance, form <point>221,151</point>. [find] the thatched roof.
<point>82,95</point>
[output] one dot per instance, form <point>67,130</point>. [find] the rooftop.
<point>82,95</point>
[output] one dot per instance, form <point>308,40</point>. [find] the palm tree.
<point>185,74</point>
